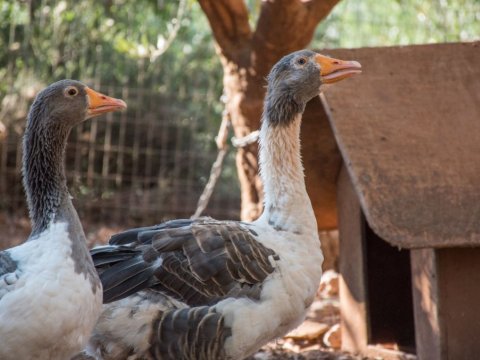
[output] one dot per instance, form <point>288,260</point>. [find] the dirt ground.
<point>305,343</point>
<point>322,354</point>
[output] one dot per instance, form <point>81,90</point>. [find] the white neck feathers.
<point>282,174</point>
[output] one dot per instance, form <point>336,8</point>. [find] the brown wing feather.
<point>192,333</point>
<point>196,261</point>
<point>216,258</point>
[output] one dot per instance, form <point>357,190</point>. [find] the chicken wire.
<point>141,166</point>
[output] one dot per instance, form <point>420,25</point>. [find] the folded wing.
<point>198,262</point>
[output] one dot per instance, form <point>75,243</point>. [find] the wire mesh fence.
<point>151,162</point>
<point>140,166</point>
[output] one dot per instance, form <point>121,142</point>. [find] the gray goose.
<point>208,289</point>
<point>50,293</point>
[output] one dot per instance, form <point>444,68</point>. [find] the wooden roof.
<point>408,130</point>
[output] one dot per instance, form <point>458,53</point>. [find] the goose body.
<point>51,308</point>
<point>208,289</point>
<point>50,293</point>
<point>273,286</point>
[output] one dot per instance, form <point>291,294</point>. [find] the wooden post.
<point>458,271</point>
<point>352,267</point>
<point>446,289</point>
<point>425,304</point>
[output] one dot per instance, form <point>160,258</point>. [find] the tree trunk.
<point>247,56</point>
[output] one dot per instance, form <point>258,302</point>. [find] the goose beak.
<point>100,104</point>
<point>333,70</point>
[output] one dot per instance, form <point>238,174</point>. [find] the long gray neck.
<point>46,187</point>
<point>43,171</point>
<point>286,198</point>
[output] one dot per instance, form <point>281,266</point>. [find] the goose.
<point>208,289</point>
<point>50,293</point>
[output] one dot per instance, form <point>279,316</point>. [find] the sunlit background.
<point>160,56</point>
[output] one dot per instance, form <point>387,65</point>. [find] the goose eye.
<point>71,91</point>
<point>301,61</point>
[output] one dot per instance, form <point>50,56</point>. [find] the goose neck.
<point>44,174</point>
<point>282,173</point>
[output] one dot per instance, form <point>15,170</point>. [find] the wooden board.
<point>446,297</point>
<point>353,297</point>
<point>425,304</point>
<point>458,275</point>
<point>322,161</point>
<point>409,132</point>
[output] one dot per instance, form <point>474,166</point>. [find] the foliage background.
<point>119,44</point>
<point>112,41</point>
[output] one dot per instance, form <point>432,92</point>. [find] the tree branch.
<point>320,8</point>
<point>287,25</point>
<point>229,22</point>
<point>172,34</point>
<point>284,24</point>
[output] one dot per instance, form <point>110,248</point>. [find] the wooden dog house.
<point>392,159</point>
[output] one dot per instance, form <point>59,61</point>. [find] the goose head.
<point>55,111</point>
<point>297,78</point>
<point>66,103</point>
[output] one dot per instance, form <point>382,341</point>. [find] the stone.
<point>308,330</point>
<point>333,337</point>
<point>325,311</point>
<point>329,284</point>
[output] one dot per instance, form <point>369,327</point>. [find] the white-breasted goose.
<point>208,289</point>
<point>50,293</point>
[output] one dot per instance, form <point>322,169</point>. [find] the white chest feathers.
<point>287,293</point>
<point>51,311</point>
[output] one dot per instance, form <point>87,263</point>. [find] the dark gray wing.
<point>7,265</point>
<point>196,261</point>
<point>8,275</point>
<point>193,333</point>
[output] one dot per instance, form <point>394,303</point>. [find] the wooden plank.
<point>378,352</point>
<point>446,298</point>
<point>458,272</point>
<point>425,304</point>
<point>322,162</point>
<point>352,268</point>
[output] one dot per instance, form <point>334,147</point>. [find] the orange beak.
<point>333,70</point>
<point>100,104</point>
